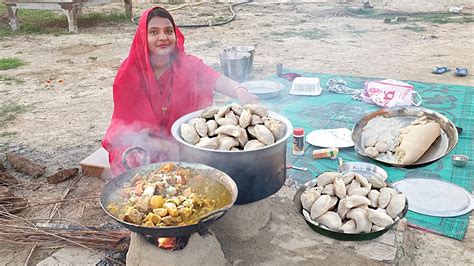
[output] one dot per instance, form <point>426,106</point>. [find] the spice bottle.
<point>298,141</point>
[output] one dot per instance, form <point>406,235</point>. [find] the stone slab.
<point>72,256</point>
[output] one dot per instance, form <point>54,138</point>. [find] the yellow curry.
<point>169,196</point>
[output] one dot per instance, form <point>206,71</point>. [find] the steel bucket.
<point>245,49</point>
<point>235,64</point>
<point>258,173</point>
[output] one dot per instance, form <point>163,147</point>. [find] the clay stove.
<point>199,250</point>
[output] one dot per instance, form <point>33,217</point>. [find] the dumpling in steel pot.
<point>226,143</point>
<point>276,127</point>
<point>208,143</point>
<point>201,128</point>
<point>242,138</point>
<point>209,112</point>
<point>245,117</point>
<point>189,134</point>
<point>230,130</point>
<point>257,109</point>
<point>211,127</point>
<point>236,108</point>
<point>264,135</point>
<point>253,145</point>
<point>230,115</point>
<point>255,120</point>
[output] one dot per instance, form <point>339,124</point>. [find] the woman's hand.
<point>244,96</point>
<point>234,90</point>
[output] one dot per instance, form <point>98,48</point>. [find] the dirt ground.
<point>64,122</point>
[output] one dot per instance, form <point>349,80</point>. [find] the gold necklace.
<point>164,108</point>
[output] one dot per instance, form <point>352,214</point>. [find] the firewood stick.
<point>8,199</point>
<point>63,200</point>
<point>25,166</point>
<point>29,255</point>
<point>65,193</point>
<point>88,239</point>
<point>62,175</point>
<point>57,160</point>
<point>7,179</point>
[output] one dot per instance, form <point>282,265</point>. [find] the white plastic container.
<point>306,86</point>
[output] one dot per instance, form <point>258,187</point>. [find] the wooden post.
<point>71,12</point>
<point>128,7</point>
<point>12,16</point>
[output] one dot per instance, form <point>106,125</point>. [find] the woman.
<point>157,84</point>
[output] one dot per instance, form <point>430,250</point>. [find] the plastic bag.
<point>391,93</point>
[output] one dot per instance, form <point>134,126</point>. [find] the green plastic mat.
<point>338,110</point>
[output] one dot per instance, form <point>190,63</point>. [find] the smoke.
<point>136,135</point>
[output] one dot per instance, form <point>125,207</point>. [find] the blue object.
<point>440,70</point>
<point>460,72</point>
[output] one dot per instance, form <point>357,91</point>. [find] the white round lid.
<point>435,197</point>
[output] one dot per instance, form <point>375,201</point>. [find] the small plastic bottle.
<point>298,141</point>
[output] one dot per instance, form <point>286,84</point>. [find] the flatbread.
<point>415,140</point>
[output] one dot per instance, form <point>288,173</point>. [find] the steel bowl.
<point>367,170</point>
<point>258,173</point>
<point>264,89</point>
<point>459,160</point>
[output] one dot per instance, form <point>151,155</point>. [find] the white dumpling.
<point>309,196</point>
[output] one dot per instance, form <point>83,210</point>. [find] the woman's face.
<point>161,37</point>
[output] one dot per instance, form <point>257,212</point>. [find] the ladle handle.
<point>145,161</point>
<point>209,217</point>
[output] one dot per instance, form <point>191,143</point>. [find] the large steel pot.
<point>258,173</point>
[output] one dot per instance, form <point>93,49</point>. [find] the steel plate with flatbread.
<point>442,145</point>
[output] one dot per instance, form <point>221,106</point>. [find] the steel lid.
<point>435,197</point>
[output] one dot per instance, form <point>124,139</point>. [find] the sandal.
<point>440,70</point>
<point>460,72</point>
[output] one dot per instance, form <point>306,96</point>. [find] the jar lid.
<point>298,131</point>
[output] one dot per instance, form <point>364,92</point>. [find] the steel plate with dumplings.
<point>334,234</point>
